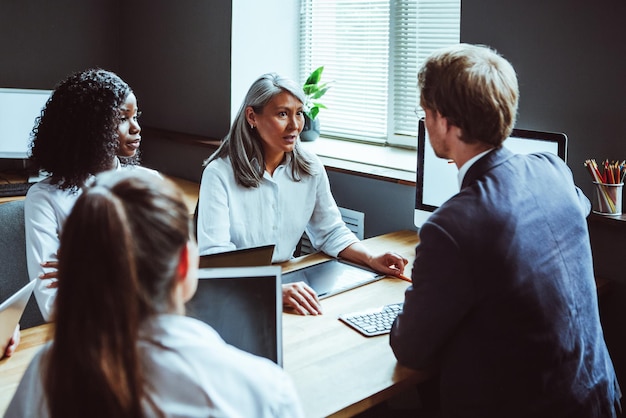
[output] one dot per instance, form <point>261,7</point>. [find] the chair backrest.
<point>13,267</point>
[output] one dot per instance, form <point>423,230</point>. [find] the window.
<point>372,50</point>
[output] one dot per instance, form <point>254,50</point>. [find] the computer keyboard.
<point>14,189</point>
<point>371,322</point>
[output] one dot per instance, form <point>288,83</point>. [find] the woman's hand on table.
<point>301,298</point>
<point>389,263</point>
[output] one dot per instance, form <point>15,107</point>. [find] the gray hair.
<point>243,144</point>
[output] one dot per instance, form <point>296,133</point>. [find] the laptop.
<point>332,277</point>
<point>244,305</point>
<point>244,257</point>
<point>11,311</point>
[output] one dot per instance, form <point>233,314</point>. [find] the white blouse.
<point>191,372</point>
<point>45,210</point>
<point>277,212</point>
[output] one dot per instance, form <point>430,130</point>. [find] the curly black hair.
<point>76,135</point>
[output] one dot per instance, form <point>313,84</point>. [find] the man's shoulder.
<point>471,213</point>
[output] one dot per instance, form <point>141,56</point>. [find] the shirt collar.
<point>286,161</point>
<point>467,165</point>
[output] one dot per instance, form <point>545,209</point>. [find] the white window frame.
<point>415,29</point>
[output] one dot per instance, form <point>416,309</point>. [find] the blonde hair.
<point>474,88</point>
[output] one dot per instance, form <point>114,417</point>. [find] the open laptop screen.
<point>244,305</point>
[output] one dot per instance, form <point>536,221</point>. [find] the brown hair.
<point>474,88</point>
<point>117,266</point>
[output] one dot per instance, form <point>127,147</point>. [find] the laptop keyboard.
<point>373,322</point>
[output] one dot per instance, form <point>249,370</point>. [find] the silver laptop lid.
<point>11,311</point>
<point>243,257</point>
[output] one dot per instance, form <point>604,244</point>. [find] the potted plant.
<point>313,90</point>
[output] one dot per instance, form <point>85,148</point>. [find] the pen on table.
<point>403,277</point>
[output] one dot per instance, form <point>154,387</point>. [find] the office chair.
<point>13,269</point>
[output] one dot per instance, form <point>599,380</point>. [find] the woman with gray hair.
<point>260,187</point>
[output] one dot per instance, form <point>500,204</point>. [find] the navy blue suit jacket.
<point>503,300</point>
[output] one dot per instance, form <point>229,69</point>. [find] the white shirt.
<point>45,210</point>
<point>192,372</point>
<point>277,212</point>
<point>465,167</point>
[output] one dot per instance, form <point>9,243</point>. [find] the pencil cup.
<point>608,198</point>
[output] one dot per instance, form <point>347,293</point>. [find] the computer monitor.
<point>437,179</point>
<point>244,306</point>
<point>18,110</point>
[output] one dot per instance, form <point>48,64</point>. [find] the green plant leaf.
<point>319,93</point>
<point>310,89</point>
<point>315,76</point>
<point>314,89</point>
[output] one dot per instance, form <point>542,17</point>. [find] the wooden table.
<point>336,371</point>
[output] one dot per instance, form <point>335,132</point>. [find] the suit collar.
<point>493,158</point>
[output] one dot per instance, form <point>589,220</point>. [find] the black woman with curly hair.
<point>89,125</point>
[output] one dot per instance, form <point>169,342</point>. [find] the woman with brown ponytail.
<point>122,346</point>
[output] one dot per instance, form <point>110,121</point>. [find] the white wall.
<point>264,39</point>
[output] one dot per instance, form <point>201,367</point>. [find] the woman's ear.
<point>187,270</point>
<point>250,116</point>
<point>183,263</point>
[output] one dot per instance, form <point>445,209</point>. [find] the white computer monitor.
<point>18,110</point>
<point>437,180</point>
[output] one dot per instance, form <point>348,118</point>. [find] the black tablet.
<point>332,277</point>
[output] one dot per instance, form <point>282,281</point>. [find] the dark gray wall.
<point>41,42</point>
<point>570,59</point>
<point>176,56</point>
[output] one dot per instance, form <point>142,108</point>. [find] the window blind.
<point>371,50</point>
